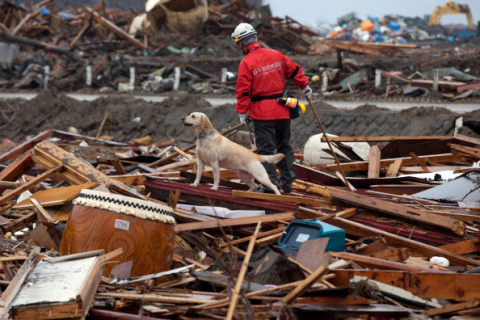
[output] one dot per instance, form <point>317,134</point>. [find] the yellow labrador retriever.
<point>217,151</point>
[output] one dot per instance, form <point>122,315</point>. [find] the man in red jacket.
<point>261,81</point>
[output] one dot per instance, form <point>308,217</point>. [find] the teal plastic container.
<point>299,231</point>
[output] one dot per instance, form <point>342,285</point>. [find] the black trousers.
<point>273,136</point>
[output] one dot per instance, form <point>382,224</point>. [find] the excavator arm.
<point>451,7</point>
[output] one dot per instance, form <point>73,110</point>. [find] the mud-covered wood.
<point>148,243</point>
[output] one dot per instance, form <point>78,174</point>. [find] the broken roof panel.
<point>464,189</point>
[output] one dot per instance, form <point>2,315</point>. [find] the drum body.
<point>143,229</point>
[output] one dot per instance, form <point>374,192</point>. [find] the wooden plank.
<point>14,286</point>
<point>427,285</point>
<point>374,163</point>
<point>138,179</point>
<point>421,162</point>
<point>376,263</point>
<point>118,166</point>
<point>268,240</point>
<point>54,196</point>
<point>358,229</point>
<point>452,308</point>
<point>472,153</point>
<point>182,153</point>
<point>441,84</point>
<point>385,138</point>
<point>42,214</point>
<point>13,258</point>
<point>394,167</point>
<point>461,137</point>
<point>177,165</point>
<point>44,176</point>
<point>395,254</point>
<point>463,247</point>
<point>70,174</point>
<point>398,210</point>
<point>311,188</point>
<point>305,285</point>
<point>18,167</point>
<point>239,222</point>
<point>407,161</point>
<point>241,274</point>
<point>314,202</point>
<point>110,25</point>
<point>246,239</point>
<point>401,189</point>
<point>153,298</point>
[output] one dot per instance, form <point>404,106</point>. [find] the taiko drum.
<point>143,229</point>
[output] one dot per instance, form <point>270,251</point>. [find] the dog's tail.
<point>273,158</point>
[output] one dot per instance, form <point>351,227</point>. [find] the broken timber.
<point>399,210</point>
<point>406,161</point>
<point>77,171</point>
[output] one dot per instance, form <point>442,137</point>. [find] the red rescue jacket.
<point>262,74</point>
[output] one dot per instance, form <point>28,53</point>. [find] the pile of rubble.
<point>396,238</point>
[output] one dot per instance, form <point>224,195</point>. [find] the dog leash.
<point>250,131</point>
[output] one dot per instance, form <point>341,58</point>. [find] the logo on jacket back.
<point>265,70</point>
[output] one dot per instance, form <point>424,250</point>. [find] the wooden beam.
<point>246,239</point>
<point>472,153</point>
<point>427,285</point>
<point>27,18</point>
<point>18,167</point>
<point>311,188</point>
<point>305,285</point>
<point>385,138</point>
<point>395,254</point>
<point>452,308</point>
<point>16,283</point>
<point>421,162</point>
<point>376,263</point>
<point>441,84</point>
<point>241,274</point>
<point>393,168</point>
<point>238,222</point>
<point>42,214</point>
<point>77,170</point>
<point>44,176</point>
<point>399,210</point>
<point>314,202</point>
<point>462,247</point>
<point>407,161</point>
<point>374,163</point>
<point>110,25</point>
<point>358,229</point>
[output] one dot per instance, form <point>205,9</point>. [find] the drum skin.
<point>149,243</point>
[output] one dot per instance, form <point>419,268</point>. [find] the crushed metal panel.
<point>464,189</point>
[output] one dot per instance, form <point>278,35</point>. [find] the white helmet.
<point>242,31</point>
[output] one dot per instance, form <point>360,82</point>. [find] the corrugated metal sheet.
<point>465,189</point>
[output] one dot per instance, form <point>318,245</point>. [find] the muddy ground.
<point>131,118</point>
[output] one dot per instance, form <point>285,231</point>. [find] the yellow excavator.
<point>451,7</point>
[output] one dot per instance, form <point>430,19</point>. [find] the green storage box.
<point>299,231</point>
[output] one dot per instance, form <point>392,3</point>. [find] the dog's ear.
<point>204,123</point>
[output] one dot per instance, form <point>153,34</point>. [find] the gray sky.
<point>311,12</point>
